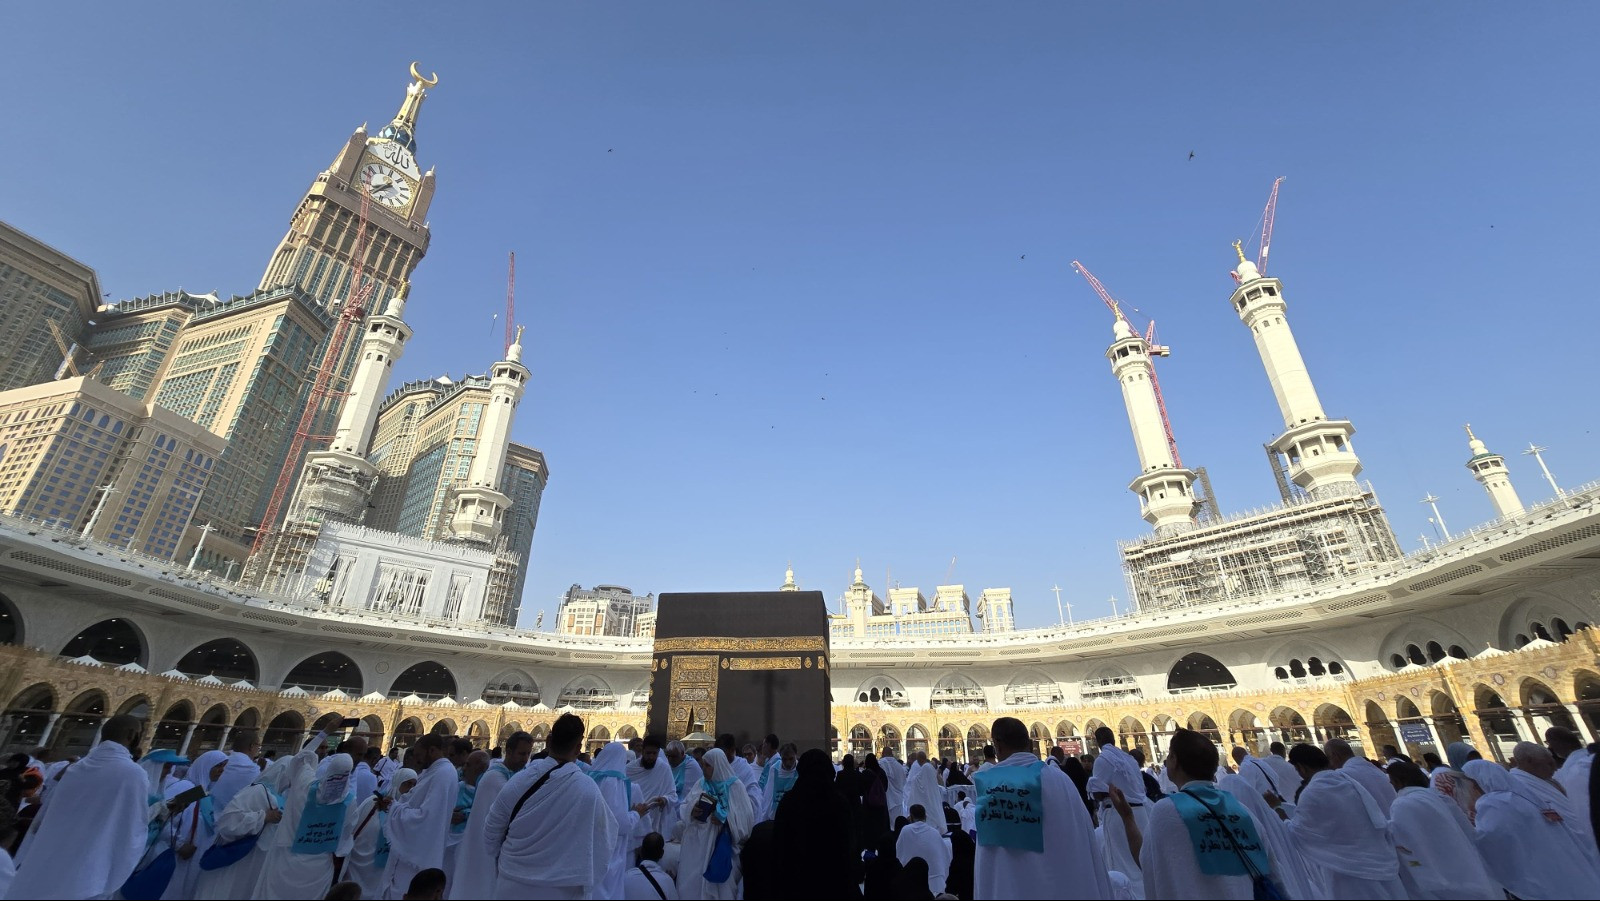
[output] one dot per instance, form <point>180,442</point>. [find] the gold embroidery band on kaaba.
<point>812,644</point>
<point>762,663</point>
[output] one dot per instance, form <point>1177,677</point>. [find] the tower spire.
<point>416,92</point>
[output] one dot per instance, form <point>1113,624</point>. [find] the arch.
<point>114,642</point>
<point>586,693</point>
<point>957,690</point>
<point>1040,733</point>
<point>599,737</point>
<point>506,731</point>
<point>949,742</point>
<point>30,712</point>
<point>1497,720</point>
<point>1586,689</point>
<point>445,727</point>
<point>11,626</point>
<point>80,723</point>
<point>429,680</point>
<point>324,672</point>
<point>1528,615</point>
<point>916,739</point>
<point>512,685</point>
<point>977,737</point>
<point>407,733</point>
<point>1109,683</point>
<point>225,658</point>
<point>1132,735</point>
<point>860,740</point>
<point>478,734</point>
<point>208,731</point>
<point>626,733</point>
<point>373,727</point>
<point>1032,688</point>
<point>541,735</point>
<point>1205,725</point>
<point>1378,726</point>
<point>328,721</point>
<point>137,706</point>
<point>1447,721</point>
<point>882,689</point>
<point>1545,707</point>
<point>889,740</point>
<point>284,733</point>
<point>1198,672</point>
<point>1406,709</point>
<point>173,727</point>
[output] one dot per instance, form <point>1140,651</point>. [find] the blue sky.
<point>770,256</point>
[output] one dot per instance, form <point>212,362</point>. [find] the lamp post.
<point>1438,518</point>
<point>1060,617</point>
<point>195,557</point>
<point>105,495</point>
<point>1535,451</point>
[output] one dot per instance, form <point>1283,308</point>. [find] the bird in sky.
<point>1023,257</point>
<point>1191,154</point>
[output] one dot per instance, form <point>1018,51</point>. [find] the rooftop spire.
<point>415,92</point>
<point>514,352</point>
<point>1473,441</point>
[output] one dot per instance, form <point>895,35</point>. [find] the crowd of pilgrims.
<point>651,820</point>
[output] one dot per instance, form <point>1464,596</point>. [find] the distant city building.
<point>132,341</point>
<point>39,285</point>
<point>69,447</point>
<point>606,610</point>
<point>910,614</point>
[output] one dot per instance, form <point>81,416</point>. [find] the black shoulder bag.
<point>536,786</point>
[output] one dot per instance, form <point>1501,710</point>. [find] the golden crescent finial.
<point>1239,249</point>
<point>426,82</point>
<point>519,334</point>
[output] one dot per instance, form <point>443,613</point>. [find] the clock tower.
<point>316,254</point>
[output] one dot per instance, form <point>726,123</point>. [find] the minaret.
<point>1166,495</point>
<point>1490,471</point>
<point>1320,457</point>
<point>480,506</point>
<point>788,580</point>
<point>338,481</point>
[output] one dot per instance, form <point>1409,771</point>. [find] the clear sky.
<point>771,256</point>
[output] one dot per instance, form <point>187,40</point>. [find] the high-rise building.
<point>317,253</point>
<point>132,341</point>
<point>39,286</point>
<point>604,610</point>
<point>80,456</point>
<point>238,370</point>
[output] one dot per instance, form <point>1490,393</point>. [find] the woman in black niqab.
<point>812,847</point>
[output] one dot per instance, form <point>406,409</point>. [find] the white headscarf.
<point>401,777</point>
<point>335,782</point>
<point>152,764</point>
<point>200,770</point>
<point>1490,776</point>
<point>612,761</point>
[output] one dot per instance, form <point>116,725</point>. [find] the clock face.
<point>386,184</point>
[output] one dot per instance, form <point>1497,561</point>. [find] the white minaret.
<point>480,507</point>
<point>1490,471</point>
<point>338,481</point>
<point>789,583</point>
<point>1166,493</point>
<point>1321,459</point>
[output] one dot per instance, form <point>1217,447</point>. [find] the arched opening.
<point>506,731</point>
<point>208,732</point>
<point>1586,688</point>
<point>1435,652</point>
<point>956,690</point>
<point>372,726</point>
<point>1297,669</point>
<point>598,737</point>
<point>1458,652</point>
<point>173,728</point>
<point>10,622</point>
<point>889,741</point>
<point>1199,672</point>
<point>512,685</point>
<point>249,719</point>
<point>1031,689</point>
<point>860,741</point>
<point>79,724</point>
<point>916,740</point>
<point>407,733</point>
<point>1560,629</point>
<point>1161,728</point>
<point>1541,633</point>
<point>446,727</point>
<point>1378,725</point>
<point>1132,735</point>
<point>1109,683</point>
<point>1245,728</point>
<point>1497,721</point>
<point>322,673</point>
<point>977,737</point>
<point>1290,725</point>
<point>1447,722</point>
<point>587,693</point>
<point>1205,725</point>
<point>285,733</point>
<point>949,742</point>
<point>29,713</point>
<point>1544,707</point>
<point>1415,739</point>
<point>1332,721</point>
<point>113,642</point>
<point>226,658</point>
<point>881,689</point>
<point>627,733</point>
<point>429,680</point>
<point>478,734</point>
<point>541,735</point>
<point>1041,738</point>
<point>1414,655</point>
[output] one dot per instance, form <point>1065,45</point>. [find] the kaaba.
<point>750,663</point>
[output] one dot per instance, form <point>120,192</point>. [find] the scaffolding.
<point>1274,551</point>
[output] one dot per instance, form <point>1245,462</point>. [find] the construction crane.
<point>1267,217</point>
<point>1152,349</point>
<point>69,365</point>
<point>511,299</point>
<point>321,387</point>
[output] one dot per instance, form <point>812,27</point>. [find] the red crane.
<point>1152,349</point>
<point>349,317</point>
<point>1267,217</point>
<point>511,299</point>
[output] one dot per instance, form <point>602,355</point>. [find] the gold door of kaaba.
<point>749,664</point>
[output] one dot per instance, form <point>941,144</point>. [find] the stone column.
<point>183,749</point>
<point>222,743</point>
<point>49,730</point>
<point>1433,733</point>
<point>1522,721</point>
<point>1585,731</point>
